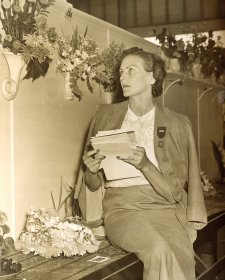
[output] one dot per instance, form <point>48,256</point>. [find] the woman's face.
<point>133,77</point>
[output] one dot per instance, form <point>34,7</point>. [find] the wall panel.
<point>158,11</point>
<point>176,10</point>
<point>193,10</point>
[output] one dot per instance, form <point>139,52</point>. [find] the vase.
<point>174,65</point>
<point>10,85</point>
<point>196,70</point>
<point>68,94</point>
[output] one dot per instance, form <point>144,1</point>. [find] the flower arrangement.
<point>207,187</point>
<point>110,58</point>
<point>26,32</point>
<point>80,58</point>
<point>202,49</point>
<point>49,235</point>
<point>171,47</point>
<point>5,242</point>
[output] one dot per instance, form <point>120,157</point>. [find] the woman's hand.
<point>92,161</point>
<point>139,158</point>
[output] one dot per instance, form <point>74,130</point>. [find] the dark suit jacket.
<point>177,158</point>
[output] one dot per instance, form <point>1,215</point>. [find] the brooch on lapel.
<point>161,132</point>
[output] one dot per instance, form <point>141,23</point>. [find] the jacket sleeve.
<point>196,211</point>
<point>90,203</point>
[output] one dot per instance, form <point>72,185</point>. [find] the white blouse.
<point>143,126</point>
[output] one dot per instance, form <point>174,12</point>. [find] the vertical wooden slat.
<point>112,11</point>
<point>121,13</point>
<point>80,5</point>
<point>158,12</point>
<point>184,10</point>
<point>96,8</point>
<point>167,11</point>
<point>193,10</point>
<point>104,10</point>
<point>175,10</point>
<point>211,9</point>
<point>130,13</point>
<point>150,12</point>
<point>126,13</point>
<point>135,12</point>
<point>202,9</point>
<point>143,17</point>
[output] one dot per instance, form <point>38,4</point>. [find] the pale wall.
<point>42,134</point>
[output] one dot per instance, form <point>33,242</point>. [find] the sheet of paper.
<point>115,169</point>
<point>99,259</point>
<point>113,143</point>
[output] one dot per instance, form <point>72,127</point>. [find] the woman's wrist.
<point>92,180</point>
<point>145,166</point>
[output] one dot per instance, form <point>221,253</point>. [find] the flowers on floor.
<point>5,242</point>
<point>49,235</point>
<point>26,33</point>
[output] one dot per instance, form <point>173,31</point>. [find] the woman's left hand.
<point>139,158</point>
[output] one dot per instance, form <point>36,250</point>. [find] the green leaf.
<point>64,200</point>
<point>74,38</point>
<point>85,32</point>
<point>89,85</point>
<point>36,69</point>
<point>53,201</point>
<point>60,194</point>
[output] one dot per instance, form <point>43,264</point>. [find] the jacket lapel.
<point>115,116</point>
<point>161,130</point>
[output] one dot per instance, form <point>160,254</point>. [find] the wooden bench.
<point>209,248</point>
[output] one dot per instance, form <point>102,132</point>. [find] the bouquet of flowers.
<point>26,32</point>
<point>49,235</point>
<point>79,57</point>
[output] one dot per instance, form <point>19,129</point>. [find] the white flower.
<point>1,231</point>
<point>3,218</point>
<point>63,236</point>
<point>84,55</point>
<point>34,40</point>
<point>6,4</point>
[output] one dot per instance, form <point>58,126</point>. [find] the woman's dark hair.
<point>152,63</point>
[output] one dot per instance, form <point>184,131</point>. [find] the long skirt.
<point>140,221</point>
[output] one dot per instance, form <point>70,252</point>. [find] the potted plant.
<point>173,49</point>
<point>202,55</point>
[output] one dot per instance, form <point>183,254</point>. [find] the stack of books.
<point>114,143</point>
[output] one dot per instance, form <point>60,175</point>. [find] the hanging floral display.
<point>26,32</point>
<point>80,57</point>
<point>49,235</point>
<point>111,58</point>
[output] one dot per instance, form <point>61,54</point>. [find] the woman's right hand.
<point>92,160</point>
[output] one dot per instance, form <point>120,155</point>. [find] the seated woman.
<point>155,215</point>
